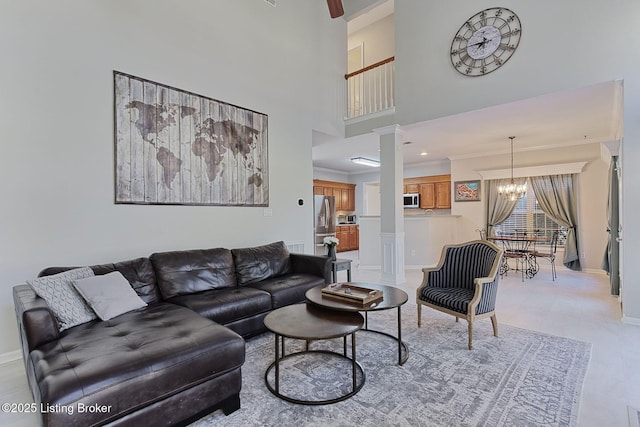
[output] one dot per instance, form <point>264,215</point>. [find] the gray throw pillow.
<point>63,299</point>
<point>109,295</point>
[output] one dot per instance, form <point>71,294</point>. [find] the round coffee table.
<point>392,298</point>
<point>310,323</point>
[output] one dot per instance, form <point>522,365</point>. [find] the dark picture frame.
<point>174,147</point>
<point>467,191</point>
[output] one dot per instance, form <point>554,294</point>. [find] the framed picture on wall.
<point>467,191</point>
<point>174,147</point>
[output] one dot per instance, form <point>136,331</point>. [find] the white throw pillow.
<point>109,295</point>
<point>63,299</point>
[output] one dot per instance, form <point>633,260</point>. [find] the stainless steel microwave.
<point>411,200</point>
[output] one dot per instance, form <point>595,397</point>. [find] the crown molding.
<point>557,169</point>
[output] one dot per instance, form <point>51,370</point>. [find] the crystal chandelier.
<point>512,191</point>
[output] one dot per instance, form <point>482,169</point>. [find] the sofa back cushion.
<point>261,262</point>
<point>138,272</point>
<point>188,272</point>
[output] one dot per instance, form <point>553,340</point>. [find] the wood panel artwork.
<point>176,147</point>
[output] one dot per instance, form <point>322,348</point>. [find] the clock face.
<point>486,41</point>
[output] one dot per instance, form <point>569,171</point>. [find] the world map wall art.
<point>176,147</point>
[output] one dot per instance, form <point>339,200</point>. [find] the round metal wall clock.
<point>485,41</point>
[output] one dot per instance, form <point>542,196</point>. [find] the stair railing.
<point>370,89</point>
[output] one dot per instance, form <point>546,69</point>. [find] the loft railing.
<point>370,89</point>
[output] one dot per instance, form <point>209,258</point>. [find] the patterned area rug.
<point>634,417</point>
<point>521,378</point>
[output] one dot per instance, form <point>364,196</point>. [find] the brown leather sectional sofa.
<point>173,361</point>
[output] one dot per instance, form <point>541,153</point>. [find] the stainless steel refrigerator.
<point>324,221</point>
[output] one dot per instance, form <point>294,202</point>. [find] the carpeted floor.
<point>521,378</point>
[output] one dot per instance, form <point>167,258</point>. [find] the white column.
<point>391,207</point>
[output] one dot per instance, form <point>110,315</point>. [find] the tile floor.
<point>576,305</point>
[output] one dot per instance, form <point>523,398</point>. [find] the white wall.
<point>424,30</point>
<point>436,167</point>
<point>557,52</point>
<point>56,116</point>
<point>330,175</point>
<point>377,40</point>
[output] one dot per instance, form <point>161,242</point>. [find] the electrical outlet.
<point>267,212</point>
<point>413,252</point>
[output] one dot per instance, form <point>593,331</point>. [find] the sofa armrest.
<point>36,322</point>
<point>312,264</point>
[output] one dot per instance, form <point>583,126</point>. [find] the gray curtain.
<point>499,208</point>
<point>611,260</point>
<point>556,195</point>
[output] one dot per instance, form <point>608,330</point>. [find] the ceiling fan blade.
<point>335,8</point>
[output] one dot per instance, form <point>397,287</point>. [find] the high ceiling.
<point>586,115</point>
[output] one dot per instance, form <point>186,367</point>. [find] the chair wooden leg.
<point>419,314</point>
<point>470,335</point>
<point>457,319</point>
<point>494,322</point>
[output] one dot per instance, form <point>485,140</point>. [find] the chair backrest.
<point>461,264</point>
<point>554,241</point>
<point>482,232</point>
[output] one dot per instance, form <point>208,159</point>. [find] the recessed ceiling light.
<point>424,153</point>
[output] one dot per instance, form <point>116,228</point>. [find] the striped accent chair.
<point>463,284</point>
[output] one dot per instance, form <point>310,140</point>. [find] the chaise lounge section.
<point>172,361</point>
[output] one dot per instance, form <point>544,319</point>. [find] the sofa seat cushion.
<point>288,289</point>
<point>456,299</point>
<point>226,305</point>
<point>133,360</point>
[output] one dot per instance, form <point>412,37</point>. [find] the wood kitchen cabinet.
<point>435,191</point>
<point>443,195</point>
<point>344,193</point>
<point>342,233</point>
<point>427,196</point>
<point>349,238</point>
<point>411,188</point>
<point>354,238</point>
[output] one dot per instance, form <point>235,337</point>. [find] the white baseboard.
<point>631,320</point>
<point>594,271</point>
<point>10,356</point>
<point>368,267</point>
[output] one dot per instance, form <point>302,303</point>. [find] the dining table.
<point>520,248</point>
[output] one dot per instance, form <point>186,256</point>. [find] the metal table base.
<point>280,355</point>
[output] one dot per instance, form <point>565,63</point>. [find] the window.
<point>527,217</point>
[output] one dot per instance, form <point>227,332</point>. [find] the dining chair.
<point>513,251</point>
<point>464,284</point>
<point>482,232</point>
<point>551,255</point>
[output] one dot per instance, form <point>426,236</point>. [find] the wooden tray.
<point>352,293</point>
